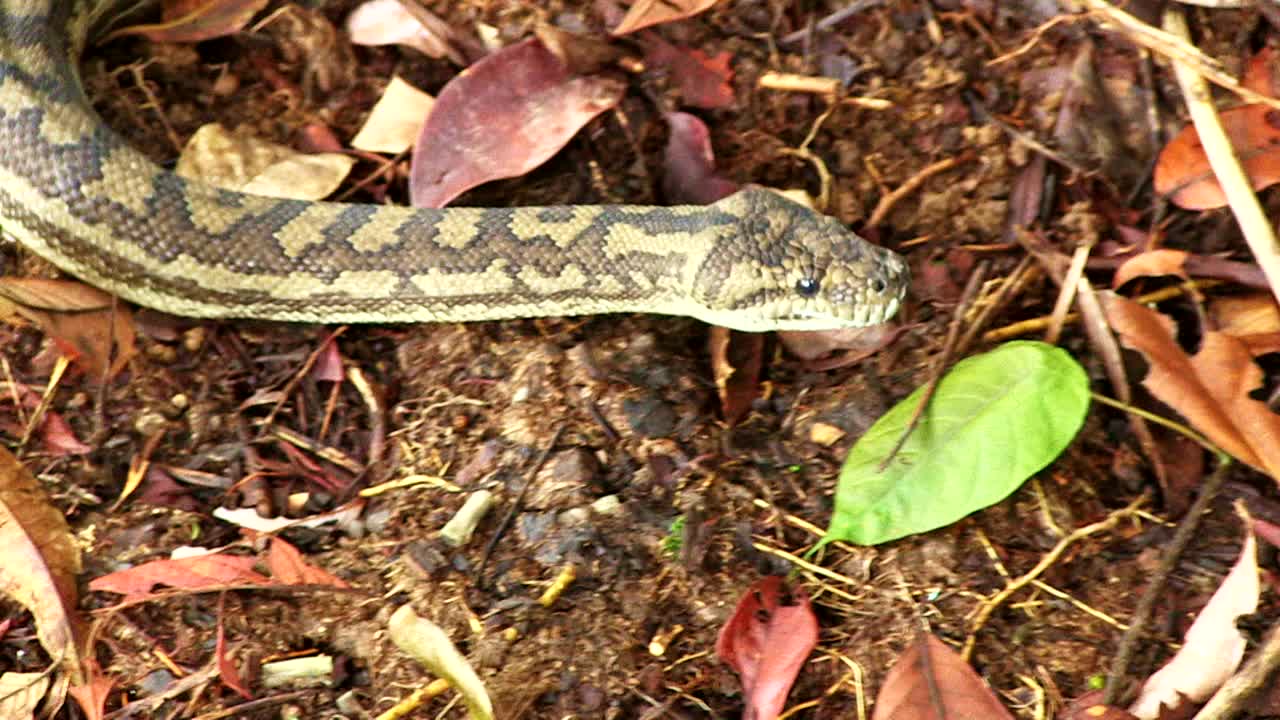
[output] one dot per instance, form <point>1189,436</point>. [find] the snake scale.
<point>74,193</point>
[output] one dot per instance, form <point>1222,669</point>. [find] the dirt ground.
<point>625,408</point>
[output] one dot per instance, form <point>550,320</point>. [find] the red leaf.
<point>767,642</point>
<point>930,680</point>
<point>92,695</point>
<point>502,117</point>
<point>703,81</point>
<point>288,566</point>
<point>59,438</point>
<point>191,573</point>
<point>691,164</point>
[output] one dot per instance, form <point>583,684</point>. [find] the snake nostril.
<point>877,285</point>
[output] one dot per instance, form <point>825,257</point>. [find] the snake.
<point>75,193</point>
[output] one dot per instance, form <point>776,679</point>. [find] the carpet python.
<point>75,194</point>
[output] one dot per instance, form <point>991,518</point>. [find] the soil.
<point>554,416</point>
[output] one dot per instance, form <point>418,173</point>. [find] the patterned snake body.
<point>75,194</point>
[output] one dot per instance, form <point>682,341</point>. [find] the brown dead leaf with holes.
<point>79,319</point>
<point>1182,171</point>
<point>39,562</point>
<point>1211,389</point>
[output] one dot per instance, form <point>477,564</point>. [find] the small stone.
<point>607,505</point>
<point>149,423</point>
<point>194,338</point>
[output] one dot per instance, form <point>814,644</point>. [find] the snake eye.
<point>807,287</point>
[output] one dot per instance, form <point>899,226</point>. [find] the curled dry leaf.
<point>40,563</point>
<point>645,13</point>
<point>395,122</point>
<point>930,680</point>
<point>504,116</point>
<point>736,361</point>
<point>767,641</point>
<point>190,573</point>
<point>79,319</point>
<point>289,567</point>
<point>1213,646</point>
<point>248,164</point>
<point>703,81</point>
<point>1211,390</point>
<point>389,22</point>
<point>196,20</point>
<point>1154,263</point>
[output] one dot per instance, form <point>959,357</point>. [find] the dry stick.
<point>515,505</point>
<point>1049,559</point>
<point>888,201</point>
<point>1013,284</point>
<point>1173,44</point>
<point>1026,327</point>
<point>1254,224</point>
<point>1155,589</point>
<point>948,350</point>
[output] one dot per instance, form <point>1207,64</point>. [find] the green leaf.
<point>995,419</point>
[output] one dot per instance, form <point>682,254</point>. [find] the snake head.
<point>786,267</point>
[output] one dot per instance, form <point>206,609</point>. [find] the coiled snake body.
<point>75,194</point>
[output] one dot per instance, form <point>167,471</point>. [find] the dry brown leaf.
<point>289,567</point>
<point>644,13</point>
<point>930,680</point>
<point>195,20</point>
<point>1240,315</point>
<point>40,563</point>
<point>1155,263</point>
<point>1210,390</point>
<point>79,319</point>
<point>736,361</point>
<point>502,117</point>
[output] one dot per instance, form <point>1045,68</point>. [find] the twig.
<point>1156,587</point>
<point>888,201</point>
<point>1049,559</point>
<point>518,502</point>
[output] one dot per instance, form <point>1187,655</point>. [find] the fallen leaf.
<point>703,81</point>
<point>502,117</point>
<point>1211,390</point>
<point>189,573</point>
<point>21,693</point>
<point>767,642</point>
<point>1154,263</point>
<point>390,22</point>
<point>690,163</point>
<point>79,319</point>
<point>430,645</point>
<point>1182,170</point>
<point>59,438</point>
<point>288,566</point>
<point>994,420</point>
<point>228,673</point>
<point>396,120</point>
<point>197,20</point>
<point>1213,646</point>
<point>40,563</point>
<point>1242,315</point>
<point>644,13</point>
<point>92,695</point>
<point>249,164</point>
<point>736,361</point>
<point>930,681</point>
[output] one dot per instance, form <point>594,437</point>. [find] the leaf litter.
<point>507,383</point>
